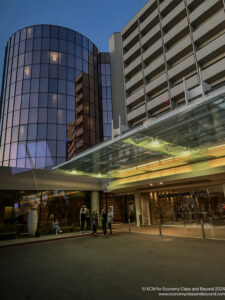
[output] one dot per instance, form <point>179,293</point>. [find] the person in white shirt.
<point>110,219</point>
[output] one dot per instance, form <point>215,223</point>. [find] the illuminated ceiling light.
<point>155,142</point>
<point>151,184</point>
<point>161,182</point>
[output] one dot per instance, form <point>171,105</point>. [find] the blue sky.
<point>96,19</point>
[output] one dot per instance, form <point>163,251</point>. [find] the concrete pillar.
<point>95,201</point>
<point>138,207</point>
<point>145,209</point>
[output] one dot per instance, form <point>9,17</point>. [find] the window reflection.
<point>55,57</point>
<point>27,72</point>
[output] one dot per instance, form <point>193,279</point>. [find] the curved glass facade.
<point>41,80</point>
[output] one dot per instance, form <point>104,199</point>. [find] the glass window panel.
<point>36,57</point>
<point>53,71</point>
<point>33,112</point>
<point>21,60</point>
<point>43,84</point>
<point>79,38</point>
<point>70,74</point>
<point>52,86</point>
<point>70,116</point>
<point>20,74</point>
<point>46,30</point>
<point>45,57</point>
<point>52,115</point>
<point>23,34</point>
<point>29,32</point>
<point>61,116</point>
<point>42,131</point>
<point>18,87</point>
<point>70,88</point>
<point>54,31</point>
<point>25,101</point>
<point>22,47</point>
<point>20,163</point>
<point>23,133</point>
<point>16,117</point>
<point>35,85</point>
<point>78,51</point>
<point>6,107</point>
<point>85,67</point>
<point>85,54</point>
<point>3,138</point>
<point>43,100</point>
<point>70,102</point>
<point>85,42</point>
<point>109,105</point>
<point>13,77</point>
<point>28,58</point>
<point>104,92</point>
<point>40,163</point>
<point>17,36</point>
<point>61,148</point>
<point>6,153</point>
<point>35,71</point>
<point>34,100</point>
<point>109,94</point>
<point>63,33</point>
<point>14,65</point>
<point>71,48</point>
<point>71,36</point>
<point>62,72</point>
<point>51,133</point>
<point>32,131</point>
<point>62,59</point>
<point>51,149</point>
<point>8,136</point>
<point>42,115</point>
<point>31,149</point>
<point>12,90</point>
<point>45,43</point>
<point>24,116</point>
<point>13,151</point>
<point>52,100</point>
<point>104,105</point>
<point>54,44</point>
<point>41,149</point>
<point>9,120</point>
<point>11,104</point>
<point>61,101</point>
<point>61,132</point>
<point>21,150</point>
<point>37,30</point>
<point>29,45</point>
<point>71,61</point>
<point>44,70</point>
<point>62,46</point>
<point>26,86</point>
<point>15,131</point>
<point>30,163</point>
<point>12,163</point>
<point>78,63</point>
<point>27,72</point>
<point>62,86</point>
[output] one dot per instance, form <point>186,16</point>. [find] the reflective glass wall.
<point>42,65</point>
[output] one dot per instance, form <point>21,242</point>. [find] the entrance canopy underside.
<point>188,140</point>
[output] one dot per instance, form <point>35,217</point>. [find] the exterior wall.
<point>46,68</point>
<point>165,42</point>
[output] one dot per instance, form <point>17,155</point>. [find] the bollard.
<point>203,230</point>
<point>160,227</point>
<point>129,225</point>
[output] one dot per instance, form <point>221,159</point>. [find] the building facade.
<point>170,52</point>
<point>50,97</point>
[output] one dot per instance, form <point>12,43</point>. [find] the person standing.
<point>88,218</point>
<point>82,218</point>
<point>104,221</point>
<point>94,222</point>
<point>110,219</point>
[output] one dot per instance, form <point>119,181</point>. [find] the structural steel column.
<point>95,201</point>
<point>138,207</point>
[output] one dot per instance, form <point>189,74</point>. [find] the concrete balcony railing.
<point>137,113</point>
<point>179,50</point>
<point>172,17</point>
<point>179,88</point>
<point>183,67</point>
<point>134,80</point>
<point>133,36</point>
<point>157,64</point>
<point>136,64</point>
<point>153,18</point>
<point>214,71</point>
<point>159,100</point>
<point>132,51</point>
<point>204,11</point>
<point>153,51</point>
<point>132,99</point>
<point>208,29</point>
<point>156,83</point>
<point>150,36</point>
<point>211,50</point>
<point>176,32</point>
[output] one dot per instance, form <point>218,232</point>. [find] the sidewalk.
<point>194,231</point>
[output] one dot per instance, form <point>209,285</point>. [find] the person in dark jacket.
<point>104,221</point>
<point>88,219</point>
<point>82,218</point>
<point>94,221</point>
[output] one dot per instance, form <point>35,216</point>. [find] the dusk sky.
<point>95,19</point>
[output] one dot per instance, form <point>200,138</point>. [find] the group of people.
<point>106,218</point>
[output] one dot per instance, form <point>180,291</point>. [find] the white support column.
<point>138,207</point>
<point>95,201</point>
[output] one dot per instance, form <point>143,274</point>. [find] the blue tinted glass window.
<point>70,74</point>
<point>63,33</point>
<point>21,163</point>
<point>71,48</point>
<point>34,100</point>
<point>18,87</point>
<point>35,85</point>
<point>29,32</point>
<point>15,131</point>
<point>45,30</point>
<point>31,149</point>
<point>85,67</point>
<point>79,38</point>
<point>32,131</point>
<point>37,44</point>
<point>16,48</point>
<point>71,36</point>
<point>53,86</point>
<point>44,70</point>
<point>61,132</point>
<point>54,44</point>
<point>23,133</point>
<point>35,71</point>
<point>85,54</point>
<point>40,163</point>
<point>41,148</point>
<point>62,101</point>
<point>37,30</point>
<point>44,85</point>
<point>42,131</point>
<point>70,88</point>
<point>22,47</point>
<point>71,61</point>
<point>43,99</point>
<point>24,116</point>
<point>54,31</point>
<point>52,115</point>
<point>62,46</point>
<point>52,100</point>
<point>62,72</point>
<point>53,71</point>
<point>85,42</point>
<point>42,115</point>
<point>61,149</point>
<point>45,43</point>
<point>25,101</point>
<point>51,132</point>
<point>78,51</point>
<point>23,34</point>
<point>26,86</point>
<point>19,74</point>
<point>13,151</point>
<point>62,86</point>
<point>70,116</point>
<point>70,102</point>
<point>51,149</point>
<point>78,63</point>
<point>16,117</point>
<point>36,57</point>
<point>61,116</point>
<point>33,115</point>
<point>21,150</point>
<point>28,58</point>
<point>21,60</point>
<point>17,36</point>
<point>44,57</point>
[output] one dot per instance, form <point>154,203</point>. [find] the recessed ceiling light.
<point>161,182</point>
<point>151,184</point>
